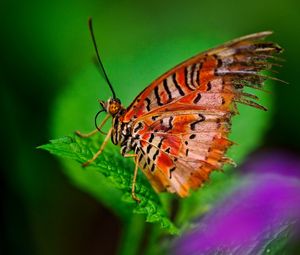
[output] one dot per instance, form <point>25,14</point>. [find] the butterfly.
<point>177,128</point>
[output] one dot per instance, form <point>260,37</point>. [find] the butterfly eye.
<point>114,106</point>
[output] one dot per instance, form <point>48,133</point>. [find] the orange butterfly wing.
<point>182,119</point>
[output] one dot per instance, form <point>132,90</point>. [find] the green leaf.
<point>118,171</point>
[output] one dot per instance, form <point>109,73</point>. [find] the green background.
<point>46,46</point>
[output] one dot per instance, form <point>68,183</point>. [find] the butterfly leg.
<point>77,132</point>
<point>134,176</point>
<point>94,131</point>
<point>96,155</point>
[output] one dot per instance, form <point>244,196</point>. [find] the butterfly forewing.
<point>182,119</point>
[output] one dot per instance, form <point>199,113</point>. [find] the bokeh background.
<point>46,45</point>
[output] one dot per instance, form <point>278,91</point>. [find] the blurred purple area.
<point>280,162</point>
<point>264,207</point>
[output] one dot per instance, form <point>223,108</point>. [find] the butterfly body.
<point>178,126</point>
<point>122,134</point>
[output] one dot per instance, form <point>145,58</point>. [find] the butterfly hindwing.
<point>182,147</point>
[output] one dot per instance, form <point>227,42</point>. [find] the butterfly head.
<point>111,106</point>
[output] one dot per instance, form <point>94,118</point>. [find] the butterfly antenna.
<point>98,57</point>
